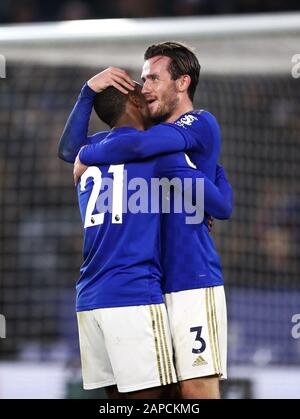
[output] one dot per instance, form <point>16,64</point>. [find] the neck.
<point>184,107</point>
<point>130,120</point>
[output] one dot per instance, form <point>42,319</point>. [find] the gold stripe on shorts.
<point>210,332</point>
<point>156,346</point>
<point>217,331</point>
<point>159,326</point>
<point>213,317</point>
<point>166,346</point>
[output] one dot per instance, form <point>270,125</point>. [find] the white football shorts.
<point>198,322</point>
<point>127,346</point>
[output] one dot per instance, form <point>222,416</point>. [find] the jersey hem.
<point>126,304</point>
<point>197,286</point>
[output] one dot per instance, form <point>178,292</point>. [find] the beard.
<point>165,110</point>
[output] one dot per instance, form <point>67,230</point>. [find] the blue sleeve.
<point>195,131</point>
<point>218,198</point>
<point>226,191</point>
<point>200,130</point>
<point>75,132</point>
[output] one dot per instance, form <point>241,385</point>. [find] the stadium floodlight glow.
<point>150,28</point>
<point>262,43</point>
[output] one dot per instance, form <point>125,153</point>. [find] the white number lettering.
<point>94,172</point>
<point>117,201</point>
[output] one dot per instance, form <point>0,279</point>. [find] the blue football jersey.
<point>205,159</point>
<point>197,263</point>
<point>187,252</point>
<point>121,249</point>
<point>190,258</point>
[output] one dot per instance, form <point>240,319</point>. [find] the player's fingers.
<point>119,87</point>
<point>121,81</point>
<point>75,176</point>
<point>124,75</point>
<point>210,223</point>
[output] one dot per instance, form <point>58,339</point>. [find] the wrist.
<point>81,156</point>
<point>86,91</point>
<point>92,86</point>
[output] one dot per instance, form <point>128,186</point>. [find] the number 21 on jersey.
<point>117,194</point>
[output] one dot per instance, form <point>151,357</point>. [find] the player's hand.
<point>78,169</point>
<point>210,223</point>
<point>112,76</point>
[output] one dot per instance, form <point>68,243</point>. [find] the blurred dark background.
<point>42,11</point>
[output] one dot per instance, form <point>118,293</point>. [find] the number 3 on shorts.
<point>198,338</point>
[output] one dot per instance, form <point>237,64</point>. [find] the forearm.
<point>75,132</point>
<point>200,192</point>
<point>218,199</point>
<point>134,146</point>
<point>226,192</point>
<point>109,151</point>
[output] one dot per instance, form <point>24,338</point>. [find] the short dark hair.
<point>109,105</point>
<point>183,61</point>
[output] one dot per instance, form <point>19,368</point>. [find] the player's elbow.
<point>227,212</point>
<point>64,155</point>
<point>60,154</point>
<point>223,211</point>
<point>228,207</point>
<point>224,214</point>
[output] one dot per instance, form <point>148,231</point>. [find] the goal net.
<point>247,81</point>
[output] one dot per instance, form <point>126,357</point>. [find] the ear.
<point>134,100</point>
<point>183,83</point>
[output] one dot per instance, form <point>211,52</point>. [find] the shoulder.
<point>206,116</point>
<point>99,136</point>
<point>197,118</point>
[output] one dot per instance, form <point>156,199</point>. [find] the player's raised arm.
<point>75,134</point>
<point>195,131</point>
<point>218,197</point>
